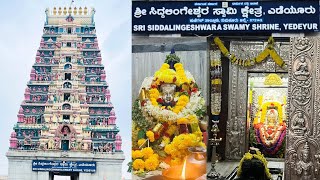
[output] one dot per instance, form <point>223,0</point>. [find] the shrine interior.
<point>247,103</point>
<point>253,104</point>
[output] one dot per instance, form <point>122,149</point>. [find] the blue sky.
<point>21,30</point>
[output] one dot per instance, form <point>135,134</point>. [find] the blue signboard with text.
<point>224,17</point>
<point>64,166</point>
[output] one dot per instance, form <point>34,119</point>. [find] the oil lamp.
<point>214,142</point>
<point>193,167</point>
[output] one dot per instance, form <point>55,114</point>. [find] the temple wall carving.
<point>303,135</point>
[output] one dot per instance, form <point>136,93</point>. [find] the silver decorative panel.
<point>303,135</point>
<point>237,138</point>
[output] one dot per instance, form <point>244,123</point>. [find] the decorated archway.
<point>254,116</point>
<point>65,137</point>
<point>66,106</point>
<point>67,66</point>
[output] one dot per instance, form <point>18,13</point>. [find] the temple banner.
<point>64,166</point>
<point>225,17</point>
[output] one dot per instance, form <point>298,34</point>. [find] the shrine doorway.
<point>65,145</point>
<point>240,133</point>
<point>266,112</point>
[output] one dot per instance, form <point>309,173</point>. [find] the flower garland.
<point>268,51</point>
<point>163,115</point>
<point>271,147</point>
<point>188,100</point>
<point>170,117</point>
<point>263,112</point>
<point>169,76</point>
<point>144,159</point>
<point>270,136</point>
<point>216,82</point>
<point>260,157</point>
<point>178,148</point>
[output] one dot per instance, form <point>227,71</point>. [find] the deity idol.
<point>165,116</point>
<point>305,166</point>
<point>271,128</point>
<point>302,67</point>
<point>168,91</point>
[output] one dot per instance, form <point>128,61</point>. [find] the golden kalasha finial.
<point>70,10</point>
<point>85,11</point>
<point>75,11</point>
<point>80,10</point>
<point>60,11</point>
<point>54,11</point>
<point>65,10</point>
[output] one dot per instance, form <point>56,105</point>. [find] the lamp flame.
<point>183,173</point>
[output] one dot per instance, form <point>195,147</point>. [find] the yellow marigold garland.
<point>182,121</point>
<point>165,140</point>
<point>259,156</point>
<point>181,78</point>
<point>151,163</point>
<point>147,152</point>
<point>136,154</point>
<point>150,136</point>
<point>268,51</point>
<point>166,75</point>
<point>178,148</point>
<point>138,164</point>
<point>264,111</point>
<point>171,130</point>
<point>181,103</point>
<point>153,95</point>
<point>145,159</point>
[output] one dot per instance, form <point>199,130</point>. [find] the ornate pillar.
<point>303,135</point>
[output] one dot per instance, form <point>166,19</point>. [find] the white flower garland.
<point>146,84</point>
<point>196,102</point>
<point>215,57</point>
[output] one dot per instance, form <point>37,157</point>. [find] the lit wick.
<point>183,173</point>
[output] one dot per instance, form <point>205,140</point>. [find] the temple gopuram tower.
<point>66,123</point>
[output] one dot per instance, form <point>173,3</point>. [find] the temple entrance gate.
<point>59,175</point>
<point>239,121</point>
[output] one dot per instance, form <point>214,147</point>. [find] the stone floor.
<point>224,168</point>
